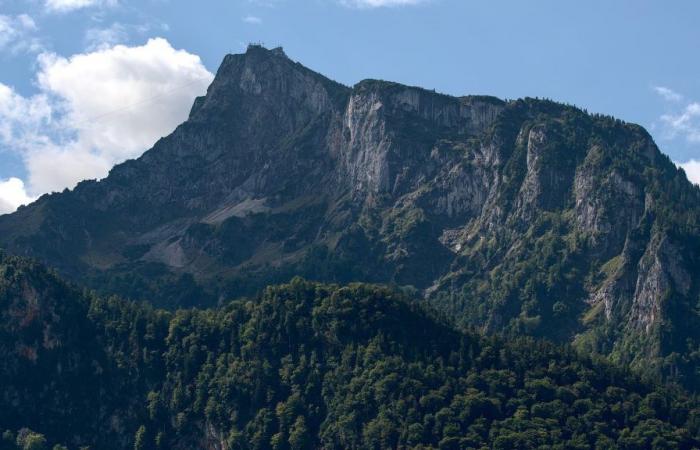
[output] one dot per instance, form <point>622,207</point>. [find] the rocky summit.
<point>516,217</point>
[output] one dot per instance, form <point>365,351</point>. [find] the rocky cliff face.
<point>520,217</point>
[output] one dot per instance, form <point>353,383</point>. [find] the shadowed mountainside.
<point>522,217</point>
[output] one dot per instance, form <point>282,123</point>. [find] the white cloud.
<point>692,170</point>
<point>21,119</point>
<point>101,38</point>
<point>71,5</point>
<point>380,3</point>
<point>684,123</point>
<point>12,195</point>
<point>16,33</point>
<point>668,94</point>
<point>252,20</point>
<point>26,22</point>
<point>680,120</point>
<point>97,109</point>
<point>266,3</point>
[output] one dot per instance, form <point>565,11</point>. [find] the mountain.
<point>523,217</point>
<point>302,366</point>
<point>58,374</point>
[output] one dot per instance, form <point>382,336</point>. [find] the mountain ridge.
<point>521,217</point>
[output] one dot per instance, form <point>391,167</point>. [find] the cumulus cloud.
<point>692,170</point>
<point>71,5</point>
<point>16,33</point>
<point>12,195</point>
<point>97,109</point>
<point>380,3</point>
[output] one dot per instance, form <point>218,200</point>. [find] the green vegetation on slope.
<point>302,366</point>
<point>525,217</point>
<point>591,208</point>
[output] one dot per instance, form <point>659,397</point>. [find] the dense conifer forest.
<point>303,365</point>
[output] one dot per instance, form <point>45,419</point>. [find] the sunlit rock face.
<point>522,217</point>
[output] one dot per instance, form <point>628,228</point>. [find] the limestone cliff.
<point>519,217</point>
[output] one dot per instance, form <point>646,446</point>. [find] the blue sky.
<point>86,84</point>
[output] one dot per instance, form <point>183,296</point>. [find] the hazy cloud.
<point>380,3</point>
<point>71,5</point>
<point>668,94</point>
<point>22,118</point>
<point>363,4</point>
<point>266,3</point>
<point>684,123</point>
<point>16,33</point>
<point>100,38</point>
<point>254,20</point>
<point>682,119</point>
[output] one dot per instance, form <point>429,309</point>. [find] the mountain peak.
<point>262,76</point>
<point>496,211</point>
<point>260,48</point>
<point>258,53</point>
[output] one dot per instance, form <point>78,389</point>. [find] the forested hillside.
<point>302,366</point>
<point>519,218</point>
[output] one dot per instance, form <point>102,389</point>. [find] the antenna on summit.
<point>258,44</point>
